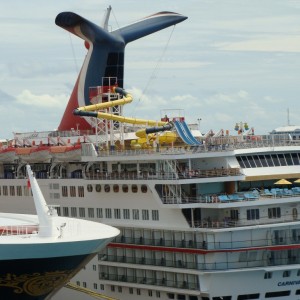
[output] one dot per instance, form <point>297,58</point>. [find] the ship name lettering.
<point>285,283</point>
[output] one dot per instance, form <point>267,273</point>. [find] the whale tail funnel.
<point>105,56</point>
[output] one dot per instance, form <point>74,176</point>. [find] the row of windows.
<point>270,295</point>
<point>14,190</point>
<point>98,188</point>
<point>150,293</point>
<point>269,160</point>
<point>71,191</point>
<point>109,213</point>
<point>253,214</point>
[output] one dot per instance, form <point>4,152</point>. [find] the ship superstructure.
<point>203,217</point>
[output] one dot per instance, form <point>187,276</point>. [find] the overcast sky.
<point>230,61</point>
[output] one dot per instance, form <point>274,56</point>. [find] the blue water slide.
<point>181,133</point>
<point>189,133</point>
<point>185,133</point>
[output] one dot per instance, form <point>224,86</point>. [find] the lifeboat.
<point>8,154</point>
<point>33,154</point>
<point>66,153</point>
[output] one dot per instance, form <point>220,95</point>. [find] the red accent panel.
<point>68,120</point>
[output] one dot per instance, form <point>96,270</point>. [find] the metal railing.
<point>219,265</point>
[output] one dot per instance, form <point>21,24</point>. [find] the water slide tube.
<point>88,111</point>
<point>144,135</point>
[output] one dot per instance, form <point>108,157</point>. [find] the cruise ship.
<point>40,253</point>
<point>201,217</point>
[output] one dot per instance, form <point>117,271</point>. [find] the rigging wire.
<point>74,56</point>
<point>154,73</point>
<point>116,20</point>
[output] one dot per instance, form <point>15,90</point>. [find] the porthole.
<point>89,188</point>
<point>144,188</point>
<point>98,188</point>
<point>116,188</point>
<point>107,188</point>
<point>125,188</point>
<point>134,188</point>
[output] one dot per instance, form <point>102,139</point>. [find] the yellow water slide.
<point>145,135</point>
<point>89,111</point>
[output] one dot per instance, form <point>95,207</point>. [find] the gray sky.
<point>231,61</point>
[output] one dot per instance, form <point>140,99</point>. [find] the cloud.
<point>27,98</point>
<point>264,44</point>
<point>223,98</point>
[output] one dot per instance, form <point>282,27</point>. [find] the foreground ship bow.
<point>39,254</point>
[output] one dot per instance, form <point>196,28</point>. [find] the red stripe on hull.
<point>201,251</point>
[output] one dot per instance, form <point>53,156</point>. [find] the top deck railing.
<point>217,144</point>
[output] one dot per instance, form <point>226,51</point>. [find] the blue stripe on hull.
<point>54,249</point>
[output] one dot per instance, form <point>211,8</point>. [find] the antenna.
<point>288,117</point>
<point>106,18</point>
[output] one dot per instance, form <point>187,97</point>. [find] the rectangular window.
<point>268,275</point>
<point>58,211</point>
<point>25,190</point>
<point>275,160</point>
<point>135,214</point>
<point>248,296</point>
<point>66,211</point>
<point>72,191</point>
<point>155,215</point>
<point>126,213</point>
<point>12,190</point>
<point>81,212</point>
<point>5,190</point>
<point>64,191</point>
<point>55,186</point>
<point>107,213</point>
<point>145,214</point>
<point>269,160</point>
<point>99,213</point>
<point>19,190</point>
<point>257,161</point>
<point>81,191</point>
<point>282,160</point>
<point>95,286</point>
<point>274,213</point>
<point>288,159</point>
<point>252,214</point>
<point>117,213</point>
<point>234,214</point>
<point>245,161</point>
<point>241,164</point>
<point>263,160</point>
<point>295,158</point>
<point>251,161</point>
<point>277,294</point>
<point>74,212</point>
<point>91,213</point>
